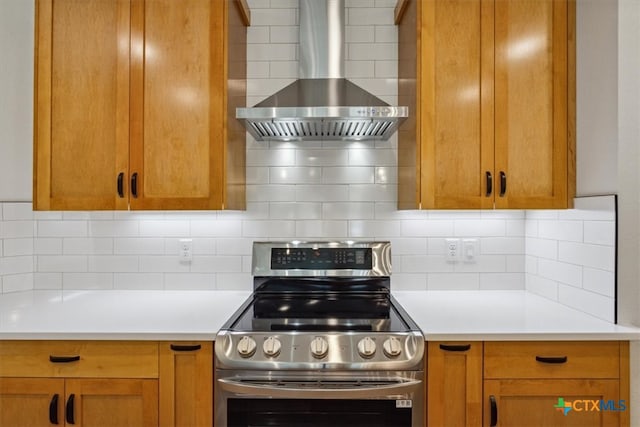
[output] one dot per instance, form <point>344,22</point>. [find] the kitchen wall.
<point>310,190</point>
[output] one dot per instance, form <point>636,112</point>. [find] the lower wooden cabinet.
<point>454,384</point>
<point>537,403</point>
<point>532,383</point>
<point>106,383</point>
<point>186,384</point>
<point>79,402</point>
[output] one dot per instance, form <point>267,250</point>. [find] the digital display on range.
<point>321,259</point>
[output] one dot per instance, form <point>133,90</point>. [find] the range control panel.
<point>321,258</point>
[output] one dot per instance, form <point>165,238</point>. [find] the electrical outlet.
<point>186,250</point>
<point>452,249</point>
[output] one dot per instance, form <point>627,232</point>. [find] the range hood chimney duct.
<point>322,104</point>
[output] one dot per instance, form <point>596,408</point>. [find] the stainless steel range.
<point>320,342</point>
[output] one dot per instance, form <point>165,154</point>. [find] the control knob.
<point>271,346</point>
<point>366,347</point>
<point>319,347</point>
<point>246,347</point>
<point>392,347</point>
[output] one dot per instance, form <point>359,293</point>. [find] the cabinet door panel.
<point>523,403</point>
<point>456,126</point>
<point>454,384</point>
<point>178,87</point>
<point>114,402</point>
<point>531,109</point>
<point>82,103</point>
<point>186,384</point>
<point>25,402</point>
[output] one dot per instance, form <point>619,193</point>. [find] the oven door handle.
<point>392,388</point>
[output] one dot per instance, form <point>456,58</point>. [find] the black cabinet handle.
<point>63,359</point>
<point>183,347</point>
<point>503,183</point>
<point>121,185</point>
<point>69,409</point>
<point>489,184</point>
<point>53,409</point>
<point>452,347</point>
<point>134,184</point>
<point>494,411</point>
<point>554,360</point>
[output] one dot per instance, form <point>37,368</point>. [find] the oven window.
<point>316,413</point>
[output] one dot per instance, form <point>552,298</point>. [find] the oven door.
<point>319,399</point>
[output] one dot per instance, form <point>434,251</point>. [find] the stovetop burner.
<point>320,305</point>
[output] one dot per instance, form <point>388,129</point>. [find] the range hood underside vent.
<point>321,129</point>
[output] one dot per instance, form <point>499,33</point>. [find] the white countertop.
<point>197,315</point>
<point>117,315</point>
<point>503,315</point>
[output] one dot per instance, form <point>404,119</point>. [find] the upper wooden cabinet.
<point>490,85</point>
<point>135,104</point>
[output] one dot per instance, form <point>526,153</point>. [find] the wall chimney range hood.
<point>322,104</point>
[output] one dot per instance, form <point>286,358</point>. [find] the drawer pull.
<point>181,347</point>
<point>63,359</point>
<point>494,411</point>
<point>53,409</point>
<point>450,347</point>
<point>69,409</point>
<point>553,360</point>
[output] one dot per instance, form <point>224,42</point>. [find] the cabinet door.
<point>31,402</point>
<point>456,124</point>
<point>178,100</point>
<point>533,148</point>
<point>454,384</point>
<point>537,403</point>
<point>111,402</point>
<point>186,384</point>
<point>82,104</point>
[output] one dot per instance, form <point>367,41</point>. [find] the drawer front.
<point>531,359</point>
<point>79,359</point>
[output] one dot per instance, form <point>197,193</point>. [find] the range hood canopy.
<point>322,104</point>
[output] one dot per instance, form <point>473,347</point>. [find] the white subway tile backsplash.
<point>369,16</point>
<point>561,230</point>
<point>62,228</point>
<point>47,246</point>
<point>61,264</point>
<point>409,281</point>
<point>113,263</point>
<point>596,256</point>
<point>453,281</point>
<point>588,302</point>
<point>569,274</point>
<point>600,232</point>
<point>17,247</point>
<point>94,281</point>
<point>16,229</point>
<point>138,246</point>
<point>87,246</point>
<point>16,212</point>
<point>190,281</point>
<point>317,189</point>
<point>322,230</point>
<point>599,281</point>
<point>374,229</point>
<point>359,34</point>
<point>16,282</point>
<point>273,18</point>
<point>502,281</point>
<point>145,281</point>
